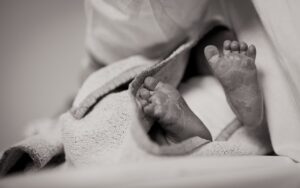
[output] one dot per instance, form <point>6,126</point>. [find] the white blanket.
<point>275,31</point>
<point>217,172</point>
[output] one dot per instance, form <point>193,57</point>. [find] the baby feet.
<point>237,73</point>
<point>164,103</point>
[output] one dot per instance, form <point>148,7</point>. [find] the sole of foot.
<point>236,71</point>
<point>164,103</point>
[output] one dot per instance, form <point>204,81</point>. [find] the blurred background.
<point>41,45</point>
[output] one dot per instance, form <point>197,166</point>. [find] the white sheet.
<point>281,22</point>
<point>278,61</point>
<point>154,28</point>
<point>225,172</point>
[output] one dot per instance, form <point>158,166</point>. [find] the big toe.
<point>212,54</point>
<point>251,52</point>
<point>144,93</point>
<point>150,83</point>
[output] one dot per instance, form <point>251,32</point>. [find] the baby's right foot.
<point>164,103</point>
<point>237,73</point>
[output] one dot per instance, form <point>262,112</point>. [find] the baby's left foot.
<point>163,103</point>
<point>236,71</point>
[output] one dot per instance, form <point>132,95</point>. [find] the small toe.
<point>235,47</point>
<point>150,83</point>
<point>243,48</point>
<point>149,109</point>
<point>143,102</point>
<point>144,93</point>
<point>226,47</point>
<point>251,52</point>
<point>155,98</point>
<point>212,54</point>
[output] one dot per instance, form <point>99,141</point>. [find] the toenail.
<point>243,46</point>
<point>227,44</point>
<point>234,45</point>
<point>150,83</point>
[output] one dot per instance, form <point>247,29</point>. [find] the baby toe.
<point>251,52</point>
<point>226,47</point>
<point>156,98</point>
<point>243,48</point>
<point>144,93</point>
<point>235,47</point>
<point>212,54</point>
<point>150,83</point>
<point>149,109</point>
<point>143,102</point>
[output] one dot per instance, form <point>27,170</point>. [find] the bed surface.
<point>247,171</point>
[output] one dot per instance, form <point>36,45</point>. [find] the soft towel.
<point>43,146</point>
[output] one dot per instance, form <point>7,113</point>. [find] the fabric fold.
<point>31,154</point>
